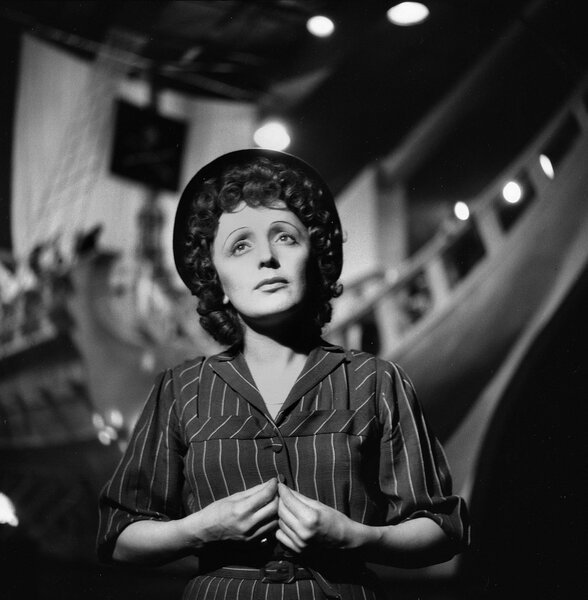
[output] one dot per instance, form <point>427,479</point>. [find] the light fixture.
<point>407,13</point>
<point>116,418</point>
<point>98,420</point>
<point>512,192</point>
<point>272,135</point>
<point>320,26</point>
<point>461,211</point>
<point>104,438</point>
<point>7,511</point>
<point>547,166</point>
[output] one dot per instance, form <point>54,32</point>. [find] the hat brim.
<point>215,170</point>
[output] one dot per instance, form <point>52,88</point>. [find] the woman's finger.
<point>303,499</point>
<point>288,517</point>
<point>293,535</point>
<point>256,489</point>
<point>286,541</point>
<point>264,529</point>
<point>262,496</point>
<point>294,504</point>
<point>266,512</point>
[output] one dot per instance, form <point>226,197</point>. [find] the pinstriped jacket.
<point>350,434</point>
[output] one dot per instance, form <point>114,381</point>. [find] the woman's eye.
<point>286,238</point>
<point>239,248</point>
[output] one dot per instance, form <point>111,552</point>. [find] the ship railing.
<point>35,314</point>
<point>145,308</point>
<point>385,308</point>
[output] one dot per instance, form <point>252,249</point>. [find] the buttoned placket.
<point>233,369</point>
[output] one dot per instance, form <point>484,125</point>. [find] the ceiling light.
<point>512,192</point>
<point>272,135</point>
<point>320,26</point>
<point>461,211</point>
<point>547,166</point>
<point>407,13</point>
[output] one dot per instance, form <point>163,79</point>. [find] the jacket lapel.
<point>231,367</point>
<point>324,359</point>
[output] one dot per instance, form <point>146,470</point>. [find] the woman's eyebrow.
<point>287,223</point>
<point>230,234</point>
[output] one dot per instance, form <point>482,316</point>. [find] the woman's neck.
<point>279,349</point>
<point>275,362</point>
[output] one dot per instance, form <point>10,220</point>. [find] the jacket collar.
<point>232,368</point>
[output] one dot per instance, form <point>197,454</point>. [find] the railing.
<point>35,315</point>
<point>146,309</point>
<point>389,307</point>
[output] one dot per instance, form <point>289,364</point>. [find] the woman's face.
<point>261,256</point>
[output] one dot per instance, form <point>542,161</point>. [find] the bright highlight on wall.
<point>547,166</point>
<point>7,511</point>
<point>461,211</point>
<point>320,26</point>
<point>512,192</point>
<point>407,13</point>
<point>272,135</point>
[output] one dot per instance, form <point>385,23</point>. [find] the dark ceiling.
<point>353,97</point>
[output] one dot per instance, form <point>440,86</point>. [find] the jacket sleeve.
<point>414,473</point>
<point>148,481</point>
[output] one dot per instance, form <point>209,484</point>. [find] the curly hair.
<point>260,182</point>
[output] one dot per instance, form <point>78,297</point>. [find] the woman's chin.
<point>279,318</point>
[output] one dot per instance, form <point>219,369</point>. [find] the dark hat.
<point>215,170</point>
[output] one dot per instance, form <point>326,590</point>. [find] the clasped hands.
<point>298,521</point>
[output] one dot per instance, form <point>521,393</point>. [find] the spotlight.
<point>7,511</point>
<point>104,437</point>
<point>98,421</point>
<point>320,26</point>
<point>512,192</point>
<point>272,135</point>
<point>547,166</point>
<point>407,13</point>
<point>461,211</point>
<point>116,418</point>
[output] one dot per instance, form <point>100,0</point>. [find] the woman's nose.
<point>267,256</point>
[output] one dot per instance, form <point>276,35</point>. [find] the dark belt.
<point>277,571</point>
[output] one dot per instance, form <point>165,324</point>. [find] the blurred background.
<point>454,134</point>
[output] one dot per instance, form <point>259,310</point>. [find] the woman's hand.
<point>304,521</point>
<point>242,516</point>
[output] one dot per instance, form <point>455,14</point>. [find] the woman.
<point>283,463</point>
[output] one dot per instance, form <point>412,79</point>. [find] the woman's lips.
<point>272,283</point>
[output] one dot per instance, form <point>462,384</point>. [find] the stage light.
<point>116,418</point>
<point>547,166</point>
<point>104,437</point>
<point>320,26</point>
<point>7,511</point>
<point>512,192</point>
<point>272,135</point>
<point>407,13</point>
<point>461,211</point>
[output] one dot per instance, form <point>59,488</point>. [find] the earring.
<point>225,299</point>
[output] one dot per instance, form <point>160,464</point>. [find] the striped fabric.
<point>350,434</point>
